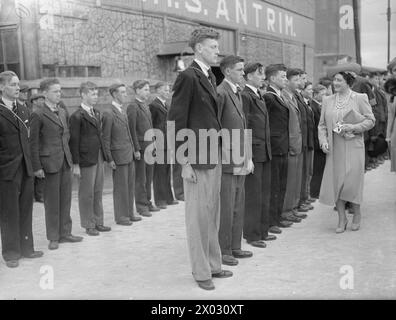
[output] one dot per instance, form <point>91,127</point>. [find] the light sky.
<point>374,32</point>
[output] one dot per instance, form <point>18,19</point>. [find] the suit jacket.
<point>311,127</point>
<point>258,121</point>
<point>279,122</point>
<point>194,106</point>
<point>235,153</point>
<point>295,134</point>
<point>14,142</point>
<point>141,116</point>
<point>304,119</point>
<point>85,137</point>
<point>316,108</point>
<point>49,139</point>
<point>159,113</point>
<point>117,139</point>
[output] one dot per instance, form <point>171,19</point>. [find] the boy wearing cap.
<point>119,150</point>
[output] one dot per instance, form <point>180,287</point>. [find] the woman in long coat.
<point>391,131</point>
<point>345,116</point>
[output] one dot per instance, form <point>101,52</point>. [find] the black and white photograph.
<point>200,150</point>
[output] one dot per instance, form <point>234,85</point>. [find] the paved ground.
<point>149,259</point>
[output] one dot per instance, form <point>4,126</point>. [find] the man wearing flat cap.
<point>23,95</point>
<point>118,150</point>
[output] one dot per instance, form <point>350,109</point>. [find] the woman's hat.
<point>346,67</point>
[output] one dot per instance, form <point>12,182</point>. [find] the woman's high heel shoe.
<point>356,225</point>
<point>341,230</point>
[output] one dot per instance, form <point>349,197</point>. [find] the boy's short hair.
<point>47,83</point>
<point>114,87</point>
<point>318,88</point>
<point>292,72</point>
<point>6,76</point>
<point>252,67</point>
<point>139,84</point>
<point>85,87</point>
<point>229,61</point>
<point>160,84</point>
<point>201,34</point>
<point>273,69</point>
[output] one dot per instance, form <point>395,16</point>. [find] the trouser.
<point>16,205</point>
<point>310,156</point>
<point>202,212</point>
<point>318,169</point>
<point>90,194</point>
<point>143,179</point>
<point>303,193</point>
<point>177,182</point>
<point>293,185</point>
<point>278,187</point>
<point>38,188</point>
<point>257,202</point>
<point>162,183</point>
<point>57,202</point>
<point>232,208</point>
<point>123,191</point>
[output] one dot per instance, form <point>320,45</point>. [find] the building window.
<point>9,50</point>
<point>70,71</point>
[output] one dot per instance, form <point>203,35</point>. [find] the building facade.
<point>131,39</point>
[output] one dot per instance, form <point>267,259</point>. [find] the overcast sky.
<point>374,32</point>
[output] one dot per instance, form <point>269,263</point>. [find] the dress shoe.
<point>269,237</point>
<point>285,224</point>
<point>258,244</point>
<point>103,228</point>
<point>161,206</point>
<point>70,238</point>
<point>206,284</point>
<point>291,218</point>
<point>173,202</point>
<point>302,208</point>
<point>12,263</point>
<point>275,229</point>
<point>299,214</point>
<point>355,226</point>
<point>124,223</point>
<point>153,208</point>
<point>53,245</point>
<point>222,274</point>
<point>180,198</point>
<point>34,254</point>
<point>146,213</point>
<point>229,260</point>
<point>135,218</point>
<point>309,206</point>
<point>240,254</point>
<point>92,232</point>
<point>341,230</point>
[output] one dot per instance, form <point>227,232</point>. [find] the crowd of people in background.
<point>291,163</point>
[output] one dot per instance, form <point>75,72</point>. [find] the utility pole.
<point>389,15</point>
<point>356,23</point>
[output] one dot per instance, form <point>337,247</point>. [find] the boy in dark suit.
<point>258,183</point>
<point>86,146</point>
<point>119,150</point>
<point>162,171</point>
<point>194,107</point>
<point>237,161</point>
<point>279,126</point>
<point>52,160</point>
<point>139,117</point>
<point>16,175</point>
